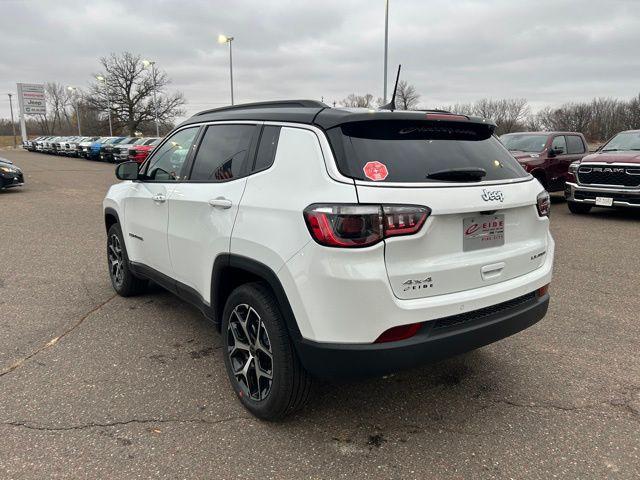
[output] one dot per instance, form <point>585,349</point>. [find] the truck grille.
<point>609,175</point>
<point>463,318</point>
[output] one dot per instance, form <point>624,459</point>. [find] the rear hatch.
<point>484,227</point>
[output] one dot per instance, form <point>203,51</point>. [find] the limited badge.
<point>375,171</point>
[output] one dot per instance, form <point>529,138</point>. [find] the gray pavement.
<point>97,386</point>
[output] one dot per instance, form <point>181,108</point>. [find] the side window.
<point>574,144</point>
<point>267,148</point>
<point>223,153</point>
<point>559,143</point>
<point>167,162</point>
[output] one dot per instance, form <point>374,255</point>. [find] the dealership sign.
<point>31,99</point>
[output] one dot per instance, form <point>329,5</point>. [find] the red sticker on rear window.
<point>375,171</point>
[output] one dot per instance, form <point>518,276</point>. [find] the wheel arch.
<point>110,217</point>
<point>231,271</point>
<point>540,175</point>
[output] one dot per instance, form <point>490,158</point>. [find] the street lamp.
<point>102,79</point>
<point>13,125</point>
<point>74,91</point>
<point>152,64</point>
<point>226,39</point>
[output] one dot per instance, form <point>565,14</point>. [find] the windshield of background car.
<point>407,150</point>
<point>623,141</point>
<point>524,143</point>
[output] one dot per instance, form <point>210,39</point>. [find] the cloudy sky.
<point>549,52</point>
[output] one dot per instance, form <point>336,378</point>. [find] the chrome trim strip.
<point>604,188</point>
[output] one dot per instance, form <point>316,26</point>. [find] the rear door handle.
<point>159,197</point>
<point>220,202</point>
<point>492,271</point>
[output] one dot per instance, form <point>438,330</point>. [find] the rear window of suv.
<point>408,151</point>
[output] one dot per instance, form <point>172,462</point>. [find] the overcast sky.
<point>549,52</point>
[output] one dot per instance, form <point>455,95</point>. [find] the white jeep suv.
<point>330,242</point>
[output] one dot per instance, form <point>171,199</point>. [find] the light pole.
<point>146,64</point>
<point>386,48</point>
<point>227,39</point>
<point>102,79</point>
<point>74,90</point>
<point>13,125</point>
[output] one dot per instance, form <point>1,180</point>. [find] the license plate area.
<point>604,201</point>
<point>482,231</point>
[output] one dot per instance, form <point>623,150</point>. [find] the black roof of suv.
<point>317,113</point>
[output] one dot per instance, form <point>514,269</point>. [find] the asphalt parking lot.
<point>97,386</point>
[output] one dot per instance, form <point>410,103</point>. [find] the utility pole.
<point>13,125</point>
<point>386,48</point>
<point>152,64</point>
<point>103,79</point>
<point>74,91</point>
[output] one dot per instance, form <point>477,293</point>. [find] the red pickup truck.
<point>547,155</point>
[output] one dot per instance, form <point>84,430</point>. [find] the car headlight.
<point>9,170</point>
<point>573,168</point>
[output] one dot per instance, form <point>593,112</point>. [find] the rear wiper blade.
<point>459,174</point>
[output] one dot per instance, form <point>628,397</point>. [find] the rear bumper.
<point>622,197</point>
<point>436,340</point>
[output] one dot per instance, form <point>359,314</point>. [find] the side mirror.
<point>555,151</point>
<point>127,171</point>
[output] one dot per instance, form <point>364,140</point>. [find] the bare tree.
<point>354,100</point>
<point>59,110</point>
<point>516,111</point>
<point>510,114</point>
<point>130,88</point>
<point>407,98</point>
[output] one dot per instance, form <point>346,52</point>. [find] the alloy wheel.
<point>250,354</point>
<point>114,253</point>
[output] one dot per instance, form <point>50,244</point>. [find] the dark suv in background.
<point>547,155</point>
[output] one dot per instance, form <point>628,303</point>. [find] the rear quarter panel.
<point>270,226</point>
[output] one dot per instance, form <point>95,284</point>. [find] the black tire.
<point>290,384</point>
<point>124,282</point>
<point>579,208</point>
<point>542,181</point>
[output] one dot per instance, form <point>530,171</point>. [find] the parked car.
<point>47,145</point>
<point>94,149</point>
<point>30,145</point>
<point>84,146</point>
<point>138,153</point>
<point>10,175</point>
<point>106,149</point>
<point>608,178</point>
<point>111,153</point>
<point>39,144</point>
<point>72,148</point>
<point>332,242</point>
<point>547,155</point>
<point>59,146</point>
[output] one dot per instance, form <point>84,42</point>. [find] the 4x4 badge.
<point>489,195</point>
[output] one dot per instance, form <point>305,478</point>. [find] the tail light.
<point>399,333</point>
<point>542,291</point>
<point>543,203</point>
<point>353,226</point>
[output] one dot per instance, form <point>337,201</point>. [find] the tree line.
<point>127,85</point>
<point>124,86</point>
